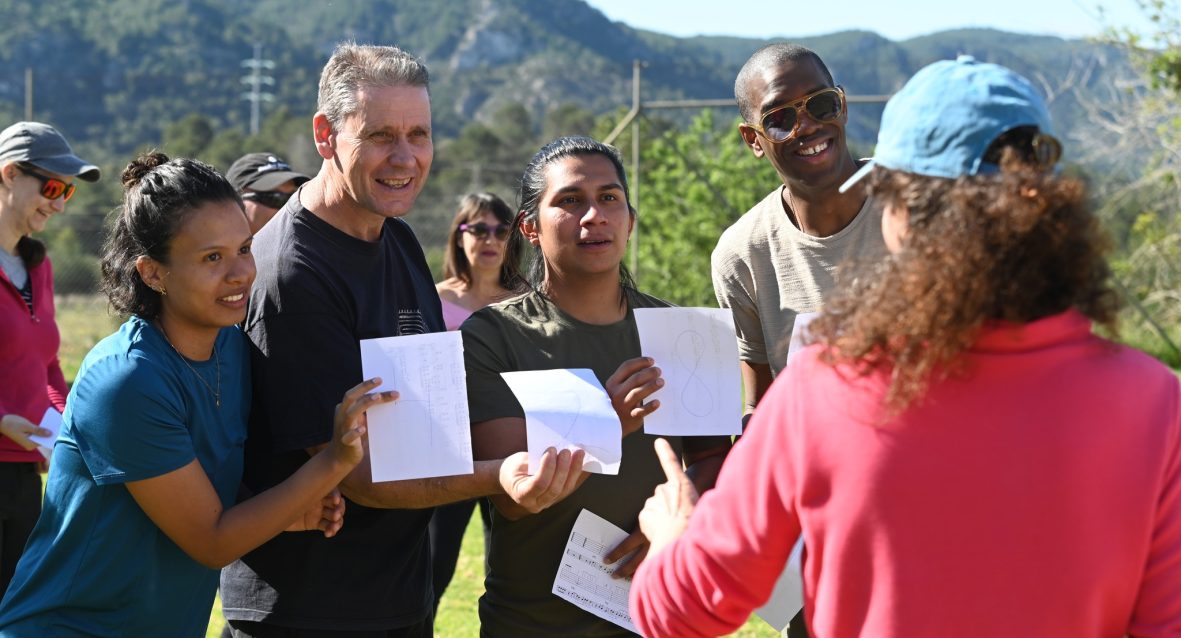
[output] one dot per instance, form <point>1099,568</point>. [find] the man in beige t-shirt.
<point>780,258</point>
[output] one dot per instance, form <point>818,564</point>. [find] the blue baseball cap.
<point>946,116</point>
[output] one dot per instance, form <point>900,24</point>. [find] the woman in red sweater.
<point>960,453</point>
<point>37,172</point>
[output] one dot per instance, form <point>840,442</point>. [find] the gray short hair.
<point>353,66</point>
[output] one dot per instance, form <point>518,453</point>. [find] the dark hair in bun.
<point>158,194</point>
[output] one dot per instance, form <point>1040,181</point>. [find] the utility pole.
<point>256,96</point>
<point>638,109</point>
<point>28,94</point>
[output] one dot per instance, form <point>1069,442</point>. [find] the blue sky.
<point>894,19</point>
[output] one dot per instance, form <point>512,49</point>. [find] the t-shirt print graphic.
<point>410,322</point>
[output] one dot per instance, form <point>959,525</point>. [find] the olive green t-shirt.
<point>531,333</point>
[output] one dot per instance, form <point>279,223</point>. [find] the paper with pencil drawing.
<point>697,354</point>
<point>426,432</point>
<point>568,409</point>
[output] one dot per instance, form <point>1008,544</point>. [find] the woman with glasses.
<point>37,172</point>
<point>479,262</point>
<point>576,215</point>
<point>141,508</point>
<point>478,269</point>
<point>961,453</point>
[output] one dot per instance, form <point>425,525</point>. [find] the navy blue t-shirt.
<point>96,565</point>
<point>319,292</point>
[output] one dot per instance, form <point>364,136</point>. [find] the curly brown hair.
<point>1015,246</point>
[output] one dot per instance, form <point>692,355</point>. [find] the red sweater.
<point>30,378</point>
<point>1038,496</point>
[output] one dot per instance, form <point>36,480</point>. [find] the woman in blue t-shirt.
<point>140,507</point>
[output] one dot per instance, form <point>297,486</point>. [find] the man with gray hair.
<point>339,265</point>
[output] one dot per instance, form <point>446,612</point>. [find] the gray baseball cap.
<point>42,146</point>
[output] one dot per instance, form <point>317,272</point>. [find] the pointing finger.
<point>669,461</point>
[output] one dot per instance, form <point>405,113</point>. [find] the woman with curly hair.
<point>141,506</point>
<point>962,455</point>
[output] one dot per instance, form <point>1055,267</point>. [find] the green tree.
<point>188,136</point>
<point>693,184</point>
<point>1136,142</point>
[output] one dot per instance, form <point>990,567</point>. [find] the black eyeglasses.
<point>481,230</point>
<point>51,187</point>
<point>780,123</point>
<point>270,199</point>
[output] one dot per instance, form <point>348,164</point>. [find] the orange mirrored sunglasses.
<point>51,187</point>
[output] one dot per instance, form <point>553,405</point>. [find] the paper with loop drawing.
<point>697,352</point>
<point>568,409</point>
<point>426,431</point>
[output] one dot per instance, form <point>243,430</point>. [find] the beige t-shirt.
<point>767,271</point>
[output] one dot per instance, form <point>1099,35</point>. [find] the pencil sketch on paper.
<point>697,353</point>
<point>426,432</point>
<point>568,409</point>
<point>696,397</point>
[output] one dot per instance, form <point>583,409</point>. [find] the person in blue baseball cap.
<point>37,173</point>
<point>962,455</point>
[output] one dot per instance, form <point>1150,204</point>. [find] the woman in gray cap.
<point>37,173</point>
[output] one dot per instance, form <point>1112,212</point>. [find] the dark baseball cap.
<point>42,146</point>
<point>261,172</point>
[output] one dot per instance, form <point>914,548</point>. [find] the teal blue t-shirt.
<point>95,564</point>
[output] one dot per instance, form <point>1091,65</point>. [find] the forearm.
<point>704,472</point>
<point>254,521</point>
<point>703,457</point>
<point>420,493</point>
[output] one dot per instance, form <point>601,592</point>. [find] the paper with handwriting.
<point>584,580</point>
<point>568,409</point>
<point>697,353</point>
<point>426,432</point>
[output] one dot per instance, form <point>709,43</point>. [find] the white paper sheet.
<point>426,432</point>
<point>787,599</point>
<point>568,409</point>
<point>697,354</point>
<point>799,330</point>
<point>584,580</point>
<point>52,421</point>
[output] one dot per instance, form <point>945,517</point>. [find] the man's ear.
<point>151,272</point>
<point>751,138</point>
<point>529,230</point>
<point>323,136</point>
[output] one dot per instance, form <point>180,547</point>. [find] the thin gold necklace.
<point>216,360</point>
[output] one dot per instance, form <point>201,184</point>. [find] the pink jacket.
<point>1040,495</point>
<point>30,377</point>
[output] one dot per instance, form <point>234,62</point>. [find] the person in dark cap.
<point>265,183</point>
<point>37,173</point>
